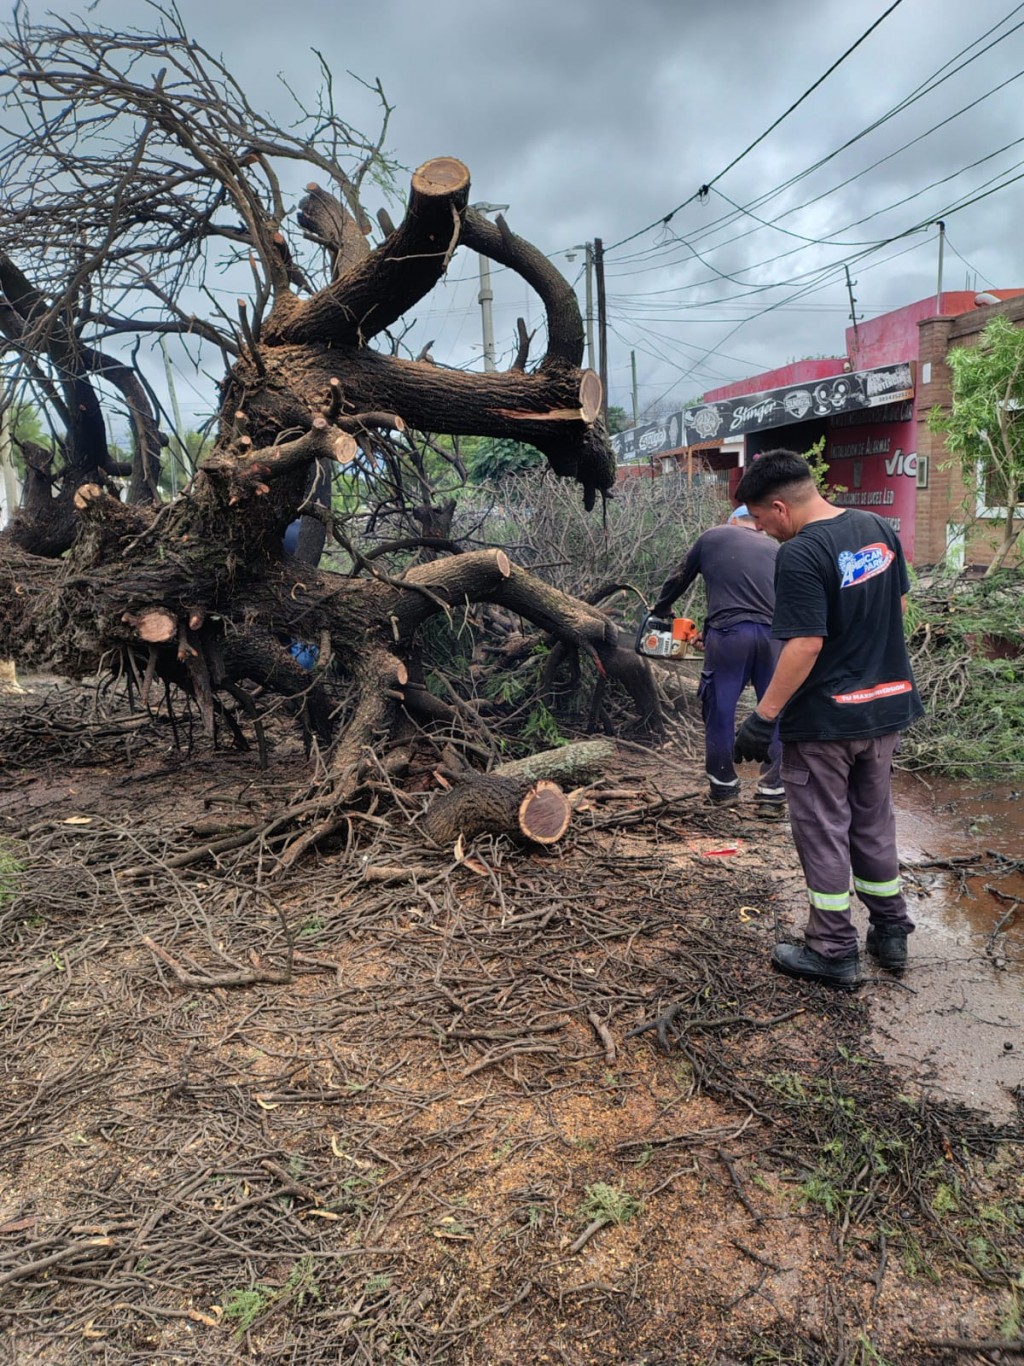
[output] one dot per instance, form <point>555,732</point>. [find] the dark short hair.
<point>770,474</point>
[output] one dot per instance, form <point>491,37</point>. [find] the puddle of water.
<point>959,1031</point>
<point>942,820</point>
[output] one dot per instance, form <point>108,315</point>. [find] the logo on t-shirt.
<point>880,690</point>
<point>857,566</point>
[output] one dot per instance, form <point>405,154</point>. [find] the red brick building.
<point>871,406</point>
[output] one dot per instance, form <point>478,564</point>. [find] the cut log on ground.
<point>568,763</point>
<point>485,804</point>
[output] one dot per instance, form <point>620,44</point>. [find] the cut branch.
<point>376,292</point>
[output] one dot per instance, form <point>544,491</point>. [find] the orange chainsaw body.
<point>670,644</point>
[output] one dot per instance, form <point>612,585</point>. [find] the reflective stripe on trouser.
<point>740,654</point>
<point>840,808</point>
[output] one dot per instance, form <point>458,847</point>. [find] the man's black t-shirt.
<point>843,579</point>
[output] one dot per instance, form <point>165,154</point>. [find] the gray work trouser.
<point>840,808</point>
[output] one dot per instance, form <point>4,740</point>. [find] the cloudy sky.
<point>597,118</point>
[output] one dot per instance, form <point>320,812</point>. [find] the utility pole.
<point>853,312</point>
<point>632,362</point>
<point>486,296</point>
<point>602,325</point>
<point>938,287</point>
<point>588,256</point>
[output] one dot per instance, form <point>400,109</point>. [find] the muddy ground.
<point>395,1107</point>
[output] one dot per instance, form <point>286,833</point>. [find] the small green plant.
<point>611,1203</point>
<point>11,869</point>
<point>542,726</point>
<point>944,1200</point>
<point>311,927</point>
<point>865,1353</point>
<point>1012,1320</point>
<point>819,1189</point>
<point>244,1307</point>
<point>376,1284</point>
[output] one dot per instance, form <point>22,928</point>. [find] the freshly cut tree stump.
<point>485,804</point>
<point>544,813</point>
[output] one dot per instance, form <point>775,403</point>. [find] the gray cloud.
<point>593,118</point>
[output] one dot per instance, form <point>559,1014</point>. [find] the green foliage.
<point>614,1204</point>
<point>944,1200</point>
<point>984,426</point>
<point>11,869</point>
<point>500,458</point>
<point>820,467</point>
<point>244,1307</point>
<point>617,419</point>
<point>542,727</point>
<point>974,705</point>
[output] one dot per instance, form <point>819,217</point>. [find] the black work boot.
<point>797,960</point>
<point>722,796</point>
<point>888,947</point>
<point>770,810</point>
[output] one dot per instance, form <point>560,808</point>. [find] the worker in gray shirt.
<point>737,564</point>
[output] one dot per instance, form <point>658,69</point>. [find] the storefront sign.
<point>640,444</point>
<point>859,389</point>
<point>873,469</point>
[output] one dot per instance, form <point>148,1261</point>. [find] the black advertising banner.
<point>858,390</point>
<point>654,438</point>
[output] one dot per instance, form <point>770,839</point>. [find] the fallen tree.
<point>101,571</point>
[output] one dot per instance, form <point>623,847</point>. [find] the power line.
<point>702,192</point>
<point>931,82</point>
<point>808,289</point>
<point>809,91</point>
<point>926,87</point>
<point>967,263</point>
<point>829,241</point>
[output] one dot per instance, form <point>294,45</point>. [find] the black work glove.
<point>753,739</point>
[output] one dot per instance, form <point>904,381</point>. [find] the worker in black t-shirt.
<point>841,693</point>
<point>737,564</point>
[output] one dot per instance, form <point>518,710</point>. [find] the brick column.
<point>941,501</point>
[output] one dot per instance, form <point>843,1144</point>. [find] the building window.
<point>991,485</point>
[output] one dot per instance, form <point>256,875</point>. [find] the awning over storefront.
<point>653,438</point>
<point>857,390</point>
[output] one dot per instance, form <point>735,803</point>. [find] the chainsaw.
<point>666,637</point>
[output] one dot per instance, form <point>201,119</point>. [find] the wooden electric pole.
<point>602,325</point>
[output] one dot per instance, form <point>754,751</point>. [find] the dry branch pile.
<point>366,1112</point>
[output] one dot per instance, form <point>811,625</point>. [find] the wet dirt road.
<point>956,1025</point>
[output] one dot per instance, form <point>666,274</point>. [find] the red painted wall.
<point>800,372</point>
<point>893,336</point>
<point>877,465</point>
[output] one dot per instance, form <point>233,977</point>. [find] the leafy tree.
<point>617,419</point>
<point>984,426</point>
<point>500,458</point>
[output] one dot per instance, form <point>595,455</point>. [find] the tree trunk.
<point>486,804</point>
<point>1010,535</point>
